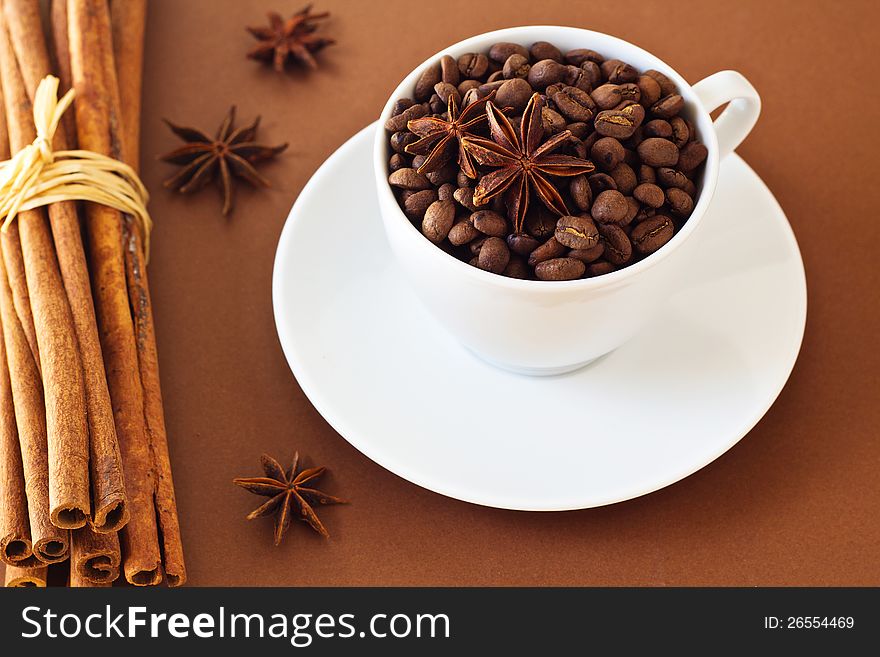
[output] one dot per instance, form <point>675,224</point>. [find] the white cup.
<point>543,327</point>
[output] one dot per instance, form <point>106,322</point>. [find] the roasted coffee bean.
<point>473,65</point>
<point>516,66</point>
<point>477,244</point>
<point>425,84</point>
<point>600,182</point>
<point>560,269</point>
<point>580,55</point>
<point>466,86</point>
<point>396,162</point>
<point>401,139</point>
<point>615,123</point>
<point>547,251</point>
<point>574,104</point>
<point>522,244</point>
<point>649,194</point>
<point>576,232</point>
<point>629,92</point>
<point>514,93</point>
<point>546,72</point>
<point>657,152</point>
<point>637,112</point>
<point>647,174</point>
<point>416,204</point>
<point>516,268</point>
<point>668,177</point>
<point>462,180</point>
<point>644,213</point>
<point>606,153</point>
<point>552,121</point>
<point>609,207</point>
<point>495,76</point>
<point>588,255</point>
<point>599,268</point>
<point>649,90</point>
<point>499,52</point>
<point>618,72</point>
<point>444,174</point>
<point>607,96</point>
<point>446,192</point>
<point>540,224</point>
<point>658,128</point>
<point>489,87</point>
<point>577,77</point>
<point>668,106</point>
<point>543,50</point>
<point>449,72</point>
<point>444,90</point>
<point>651,234</point>
<point>679,202</point>
<point>489,223</point>
<point>633,207</point>
<point>409,179</point>
<point>418,161</point>
<point>592,72</point>
<point>438,220</point>
<point>624,178</point>
<point>398,123</point>
<point>402,104</point>
<point>578,129</point>
<point>462,232</point>
<point>692,156</point>
<point>667,87</point>
<point>680,132</point>
<point>618,249</point>
<point>494,256</point>
<point>581,194</point>
<point>591,139</point>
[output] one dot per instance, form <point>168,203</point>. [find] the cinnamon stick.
<point>50,544</point>
<point>60,54</point>
<point>142,560</point>
<point>25,577</point>
<point>128,18</point>
<point>109,497</point>
<point>63,386</point>
<point>94,557</point>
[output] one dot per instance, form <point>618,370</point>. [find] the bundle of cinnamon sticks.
<point>85,473</point>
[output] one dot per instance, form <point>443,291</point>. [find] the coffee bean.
<point>477,244</point>
<point>540,224</point>
<point>444,90</point>
<point>543,50</point>
<point>634,111</point>
<point>522,244</point>
<point>494,255</point>
<point>449,72</point>
<point>396,162</point>
<point>445,192</point>
<point>680,132</point>
<point>574,104</point>
<point>618,72</point>
<point>546,72</point>
<point>588,255</point>
<point>552,121</point>
<point>578,148</point>
<point>443,174</point>
<point>425,84</point>
<point>489,223</point>
<point>618,249</point>
<point>516,66</point>
<point>495,76</point>
<point>644,213</point>
<point>578,129</point>
<point>576,232</point>
<point>633,207</point>
<point>517,268</point>
<point>667,87</point>
<point>438,220</point>
<point>580,55</point>
<point>473,65</point>
<point>547,251</point>
<point>600,182</point>
<point>658,128</point>
<point>560,269</point>
<point>499,52</point>
<point>577,77</point>
<point>599,268</point>
<point>606,153</point>
<point>649,90</point>
<point>624,178</point>
<point>614,123</point>
<point>649,194</point>
<point>609,207</point>
<point>651,234</point>
<point>514,93</point>
<point>489,87</point>
<point>607,96</point>
<point>657,152</point>
<point>668,106</point>
<point>668,177</point>
<point>647,174</point>
<point>462,232</point>
<point>465,197</point>
<point>679,202</point>
<point>401,139</point>
<point>464,88</point>
<point>416,204</point>
<point>398,123</point>
<point>581,194</point>
<point>401,104</point>
<point>593,73</point>
<point>692,156</point>
<point>409,179</point>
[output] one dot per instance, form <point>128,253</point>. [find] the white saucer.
<point>408,396</point>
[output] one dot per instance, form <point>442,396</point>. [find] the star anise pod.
<point>233,152</point>
<point>440,137</point>
<point>291,39</point>
<point>522,162</point>
<point>289,493</point>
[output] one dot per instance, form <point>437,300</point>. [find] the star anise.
<point>288,493</point>
<point>291,39</point>
<point>233,152</point>
<point>522,162</point>
<point>440,137</point>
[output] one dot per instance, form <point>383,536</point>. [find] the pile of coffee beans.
<point>627,123</point>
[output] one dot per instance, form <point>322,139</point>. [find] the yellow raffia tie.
<point>38,176</point>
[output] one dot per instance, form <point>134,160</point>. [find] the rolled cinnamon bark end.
<point>94,557</point>
<point>25,577</point>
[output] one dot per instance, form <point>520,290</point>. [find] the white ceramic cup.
<point>542,327</point>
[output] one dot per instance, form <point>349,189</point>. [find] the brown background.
<point>796,502</point>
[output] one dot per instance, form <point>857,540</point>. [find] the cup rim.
<point>480,42</point>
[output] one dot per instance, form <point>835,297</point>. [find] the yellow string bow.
<point>38,176</point>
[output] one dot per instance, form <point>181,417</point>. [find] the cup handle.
<point>739,117</point>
